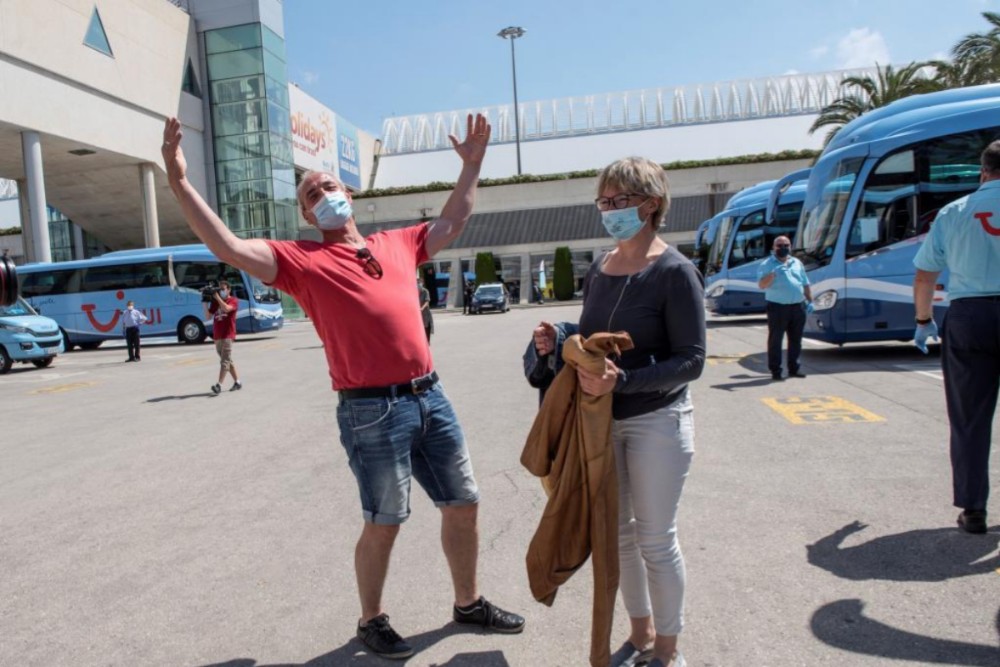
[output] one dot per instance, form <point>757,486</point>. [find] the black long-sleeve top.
<point>662,309</point>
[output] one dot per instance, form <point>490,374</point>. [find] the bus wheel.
<point>5,361</point>
<point>190,331</point>
<point>93,345</point>
<point>67,345</point>
<point>43,363</point>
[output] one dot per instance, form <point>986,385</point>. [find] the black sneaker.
<point>236,386</point>
<point>489,616</point>
<point>216,388</point>
<point>972,521</point>
<point>776,377</point>
<point>382,640</point>
<point>796,374</point>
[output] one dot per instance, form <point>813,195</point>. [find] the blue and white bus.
<point>744,237</point>
<point>87,297</point>
<point>704,237</point>
<point>871,198</point>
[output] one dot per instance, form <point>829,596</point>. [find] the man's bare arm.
<point>923,293</point>
<point>251,255</point>
<point>446,228</point>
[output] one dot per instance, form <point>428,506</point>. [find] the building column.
<point>526,283</point>
<point>147,185</point>
<point>38,220</point>
<point>456,290</point>
<point>79,250</point>
<point>27,246</point>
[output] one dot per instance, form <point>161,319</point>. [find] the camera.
<point>209,291</point>
<point>8,282</point>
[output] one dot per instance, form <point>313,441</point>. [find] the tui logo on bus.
<point>153,315</point>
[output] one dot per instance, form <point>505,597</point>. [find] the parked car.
<point>490,296</point>
<point>27,337</point>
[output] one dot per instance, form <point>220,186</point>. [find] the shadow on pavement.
<point>842,624</point>
<point>355,653</point>
<point>748,381</point>
<point>158,399</point>
<point>936,554</point>
<point>736,322</point>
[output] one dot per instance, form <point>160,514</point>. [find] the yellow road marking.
<point>820,410</point>
<point>190,362</point>
<point>716,359</point>
<point>59,388</point>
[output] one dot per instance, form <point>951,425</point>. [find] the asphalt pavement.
<point>146,521</point>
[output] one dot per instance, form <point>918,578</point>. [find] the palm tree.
<point>977,55</point>
<point>864,93</point>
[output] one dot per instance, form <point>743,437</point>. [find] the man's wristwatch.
<point>923,322</point>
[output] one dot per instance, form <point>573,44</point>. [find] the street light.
<point>513,32</point>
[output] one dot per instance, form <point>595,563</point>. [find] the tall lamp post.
<point>513,32</point>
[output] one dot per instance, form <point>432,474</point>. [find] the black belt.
<point>990,297</point>
<point>415,386</point>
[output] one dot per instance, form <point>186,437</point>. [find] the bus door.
<point>878,268</point>
<point>901,196</point>
<point>748,248</point>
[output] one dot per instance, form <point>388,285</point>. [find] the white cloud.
<point>862,47</point>
<point>790,72</point>
<point>819,51</point>
<point>310,77</point>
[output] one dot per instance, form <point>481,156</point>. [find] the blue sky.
<point>368,61</point>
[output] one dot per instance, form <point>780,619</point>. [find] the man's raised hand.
<point>477,136</point>
<point>173,156</point>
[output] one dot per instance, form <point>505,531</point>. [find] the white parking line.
<point>922,369</point>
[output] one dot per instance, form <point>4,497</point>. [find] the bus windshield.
<point>263,293</point>
<point>717,251</point>
<point>824,209</point>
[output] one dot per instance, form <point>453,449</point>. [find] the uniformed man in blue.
<point>965,240</point>
<point>789,299</point>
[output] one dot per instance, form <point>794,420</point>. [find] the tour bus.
<point>705,234</point>
<point>745,236</point>
<point>873,194</point>
<point>87,297</point>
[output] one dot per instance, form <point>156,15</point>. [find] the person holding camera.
<point>396,423</point>
<point>222,307</point>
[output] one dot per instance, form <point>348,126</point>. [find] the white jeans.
<point>653,454</point>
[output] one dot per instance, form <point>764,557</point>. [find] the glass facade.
<point>60,235</point>
<point>251,131</point>
<point>61,238</point>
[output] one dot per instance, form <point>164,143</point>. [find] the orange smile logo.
<point>89,308</point>
<point>984,220</point>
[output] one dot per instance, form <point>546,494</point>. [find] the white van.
<point>26,336</point>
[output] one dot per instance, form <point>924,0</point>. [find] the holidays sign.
<point>322,140</point>
<point>314,133</point>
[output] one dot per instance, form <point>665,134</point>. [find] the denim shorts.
<point>390,440</point>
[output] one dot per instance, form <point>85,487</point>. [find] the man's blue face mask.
<point>332,211</point>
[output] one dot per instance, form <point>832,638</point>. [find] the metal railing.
<point>775,96</point>
<point>8,189</point>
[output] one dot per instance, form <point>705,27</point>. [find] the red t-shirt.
<point>224,324</point>
<point>371,329</point>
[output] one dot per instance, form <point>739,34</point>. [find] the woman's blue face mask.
<point>623,223</point>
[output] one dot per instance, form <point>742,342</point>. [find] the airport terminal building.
<point>83,101</point>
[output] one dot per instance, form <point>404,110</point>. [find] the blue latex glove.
<point>810,308</point>
<point>922,333</point>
